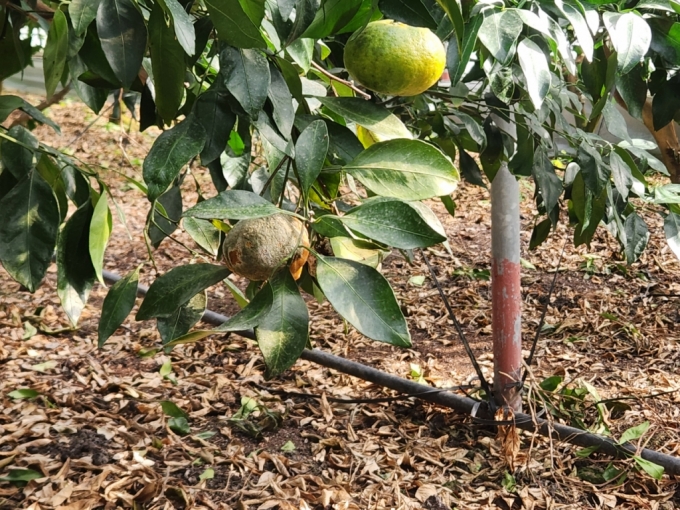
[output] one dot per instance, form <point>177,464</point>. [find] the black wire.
<point>485,385</point>
<point>530,358</point>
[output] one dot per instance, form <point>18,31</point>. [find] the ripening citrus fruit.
<point>395,59</point>
<point>257,247</point>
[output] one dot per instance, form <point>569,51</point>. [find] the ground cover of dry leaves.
<point>98,435</point>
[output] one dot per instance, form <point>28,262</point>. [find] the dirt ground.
<point>98,438</point>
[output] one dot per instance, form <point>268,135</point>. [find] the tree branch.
<point>340,80</point>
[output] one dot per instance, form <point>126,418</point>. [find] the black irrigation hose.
<point>465,405</point>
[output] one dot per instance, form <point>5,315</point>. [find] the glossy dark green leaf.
<point>474,128</point>
<point>75,272</point>
<point>343,145</point>
<point>547,181</point>
<point>100,231</point>
<point>637,236</point>
<point>310,153</point>
<point>282,102</point>
<point>184,28</point>
<point>305,13</point>
<point>246,76</point>
<point>28,231</point>
<point>616,123</point>
<point>410,12</point>
<point>373,117</point>
<point>118,303</point>
<point>621,172</point>
<point>172,150</point>
<point>589,210</point>
<point>590,161</point>
<point>540,233</point>
<point>633,90</point>
<point>54,54</point>
<point>233,25</point>
<point>93,97</point>
<point>122,33</point>
<point>166,216</point>
<point>492,155</point>
<point>14,54</point>
<point>332,17</point>
<point>184,318</point>
<point>174,288</point>
<point>575,16</point>
<point>7,182</point>
<point>54,176</point>
<point>329,225</point>
<point>292,78</point>
<point>250,317</point>
<point>213,113</point>
<point>364,298</point>
<point>406,169</point>
<point>82,12</point>
<point>167,63</point>
<point>203,233</point>
<point>467,45</point>
<point>283,332</point>
<point>233,205</point>
<point>173,410</point>
<point>535,67</point>
<point>95,59</point>
<point>631,36</point>
<point>499,32</point>
<point>394,223</point>
<point>470,171</point>
<point>17,158</point>
<point>671,227</point>
<point>666,103</point>
<point>8,104</point>
<point>21,476</point>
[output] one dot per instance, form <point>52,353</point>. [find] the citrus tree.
<point>256,94</point>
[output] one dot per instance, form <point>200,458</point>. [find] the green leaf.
<point>8,104</point>
<point>161,227</point>
<point>301,51</point>
<point>54,54</point>
<point>373,117</point>
<point>394,223</point>
<point>213,113</point>
<point>637,236</point>
<point>122,33</point>
<point>536,71</point>
<point>364,298</point>
<point>75,272</point>
<point>204,233</point>
<point>406,169</point>
<point>359,250</point>
<point>208,474</point>
<point>54,176</point>
<point>28,231</point>
<point>282,101</point>
<point>233,205</point>
<point>173,410</point>
<point>548,183</point>
<point>179,426</point>
<point>177,286</point>
<point>634,433</point>
<point>184,28</point>
<point>631,36</point>
<point>310,153</point>
<point>652,469</point>
<point>410,12</point>
<point>170,152</point>
<point>468,43</point>
<point>82,12</point>
<point>470,170</point>
<point>117,306</point>
<point>288,446</point>
<point>332,17</point>
<point>616,124</point>
<point>93,97</point>
<point>17,158</point>
<point>540,233</point>
<point>499,33</point>
<point>246,76</point>
<point>167,63</point>
<point>21,476</point>
<point>623,177</point>
<point>580,25</point>
<point>23,393</point>
<point>100,231</point>
<point>329,225</point>
<point>283,332</point>
<point>633,90</point>
<point>666,103</point>
<point>475,130</point>
<point>671,227</point>
<point>453,10</point>
<point>233,25</point>
<point>183,319</point>
<point>250,317</point>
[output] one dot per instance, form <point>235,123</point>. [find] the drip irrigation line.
<point>465,405</point>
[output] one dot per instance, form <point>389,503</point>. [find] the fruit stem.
<point>340,80</point>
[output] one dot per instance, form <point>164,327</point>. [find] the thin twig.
<point>273,174</point>
<point>78,137</point>
<point>340,80</point>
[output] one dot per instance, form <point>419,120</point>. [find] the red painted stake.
<point>506,289</point>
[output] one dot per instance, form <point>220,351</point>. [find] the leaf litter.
<point>82,428</point>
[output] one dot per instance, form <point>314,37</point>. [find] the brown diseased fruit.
<point>255,248</point>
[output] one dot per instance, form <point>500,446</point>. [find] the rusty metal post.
<point>506,289</point>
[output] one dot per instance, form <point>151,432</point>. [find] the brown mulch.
<point>98,438</point>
